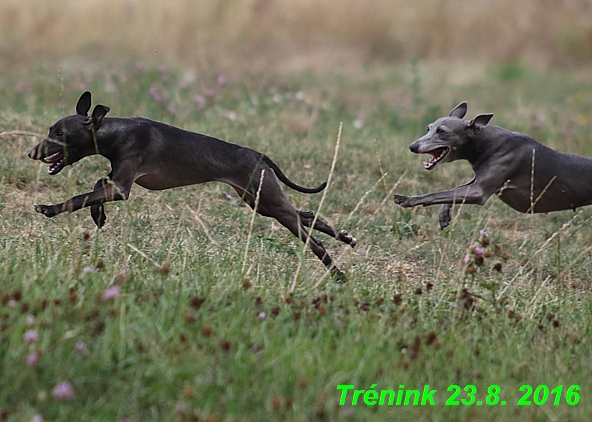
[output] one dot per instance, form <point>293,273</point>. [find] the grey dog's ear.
<point>480,120</point>
<point>459,111</point>
<point>83,104</point>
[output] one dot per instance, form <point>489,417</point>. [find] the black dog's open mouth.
<point>437,155</point>
<point>57,163</point>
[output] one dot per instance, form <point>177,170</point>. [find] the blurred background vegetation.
<point>281,35</point>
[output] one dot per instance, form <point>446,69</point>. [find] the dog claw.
<point>43,209</point>
<point>339,276</point>
<point>97,213</point>
<point>400,199</point>
<point>345,237</point>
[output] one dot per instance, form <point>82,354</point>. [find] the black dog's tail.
<point>288,182</point>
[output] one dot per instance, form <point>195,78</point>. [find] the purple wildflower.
<point>31,336</point>
<point>63,391</point>
<point>111,293</point>
<point>155,93</point>
<point>200,100</point>
<point>33,358</point>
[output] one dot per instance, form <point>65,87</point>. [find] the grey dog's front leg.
<point>467,194</point>
<point>470,193</point>
<point>444,216</point>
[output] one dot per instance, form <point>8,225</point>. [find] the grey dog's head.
<point>448,137</point>
<point>72,137</point>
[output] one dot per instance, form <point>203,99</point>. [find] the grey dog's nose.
<point>413,148</point>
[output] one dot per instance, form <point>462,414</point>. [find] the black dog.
<point>158,156</point>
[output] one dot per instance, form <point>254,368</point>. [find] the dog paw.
<point>347,238</point>
<point>444,216</point>
<point>400,199</point>
<point>338,276</point>
<point>46,210</point>
<point>97,213</point>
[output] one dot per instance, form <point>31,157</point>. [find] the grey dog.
<point>158,156</point>
<point>525,174</point>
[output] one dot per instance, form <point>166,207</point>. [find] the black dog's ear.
<point>97,115</point>
<point>480,120</point>
<point>459,111</point>
<point>83,104</point>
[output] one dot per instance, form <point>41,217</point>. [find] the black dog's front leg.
<point>106,192</point>
<point>97,212</point>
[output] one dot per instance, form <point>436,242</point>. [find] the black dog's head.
<point>72,137</point>
<point>449,138</point>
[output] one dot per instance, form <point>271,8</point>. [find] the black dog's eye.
<point>59,133</point>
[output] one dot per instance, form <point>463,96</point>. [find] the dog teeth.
<point>55,167</point>
<point>434,160</point>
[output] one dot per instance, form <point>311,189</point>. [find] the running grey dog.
<point>158,156</point>
<point>525,174</point>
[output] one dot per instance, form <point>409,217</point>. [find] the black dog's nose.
<point>33,153</point>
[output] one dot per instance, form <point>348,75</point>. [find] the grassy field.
<point>162,316</point>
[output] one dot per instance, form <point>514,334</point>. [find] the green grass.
<point>193,336</point>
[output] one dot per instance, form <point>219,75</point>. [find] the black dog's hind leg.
<point>307,218</point>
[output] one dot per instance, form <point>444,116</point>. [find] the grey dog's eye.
<point>439,130</point>
<point>428,128</point>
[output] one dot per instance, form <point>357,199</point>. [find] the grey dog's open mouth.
<point>56,161</point>
<point>437,155</point>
